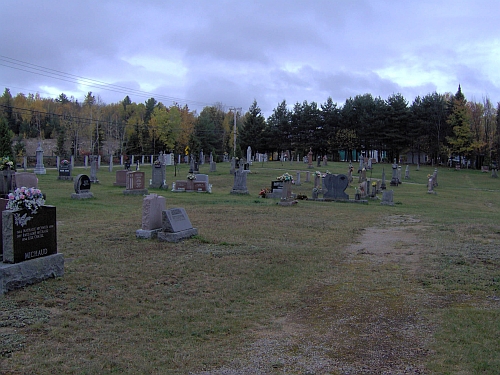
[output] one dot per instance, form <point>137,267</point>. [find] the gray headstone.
<point>152,207</point>
<point>39,167</point>
<point>334,186</point>
<point>175,220</point>
<point>159,175</point>
<point>93,170</point>
<point>25,179</point>
<point>240,181</point>
<point>121,178</point>
<point>388,198</point>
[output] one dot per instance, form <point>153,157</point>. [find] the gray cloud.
<point>233,52</point>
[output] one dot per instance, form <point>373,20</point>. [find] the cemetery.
<point>187,283</point>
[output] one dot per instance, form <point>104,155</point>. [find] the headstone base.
<point>18,275</point>
<point>94,181</point>
<point>136,192</point>
<point>40,170</point>
<point>162,186</point>
<point>66,178</point>
<point>177,236</point>
<point>147,234</point>
<point>82,195</point>
<point>287,203</point>
<point>240,192</point>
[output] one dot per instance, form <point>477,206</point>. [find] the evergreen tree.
<point>461,142</point>
<point>278,129</point>
<point>5,140</point>
<point>254,126</point>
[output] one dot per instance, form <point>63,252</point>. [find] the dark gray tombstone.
<point>159,176</point>
<point>240,181</point>
<point>394,179</point>
<point>232,169</point>
<point>29,248</point>
<point>82,187</point>
<point>382,184</point>
<point>3,205</point>
<point>28,236</point>
<point>334,186</point>
<point>64,169</point>
<point>6,181</point>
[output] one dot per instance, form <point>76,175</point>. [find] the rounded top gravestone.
<point>82,184</point>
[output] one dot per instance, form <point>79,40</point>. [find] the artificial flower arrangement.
<point>24,198</point>
<point>285,177</point>
<point>191,176</point>
<point>6,163</point>
<point>157,163</point>
<point>64,162</point>
<point>263,192</point>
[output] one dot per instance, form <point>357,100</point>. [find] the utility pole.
<point>234,109</point>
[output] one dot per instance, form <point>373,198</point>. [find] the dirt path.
<point>365,319</point>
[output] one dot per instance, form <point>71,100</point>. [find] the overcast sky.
<point>232,52</point>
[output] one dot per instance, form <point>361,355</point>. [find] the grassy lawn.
<point>258,271</point>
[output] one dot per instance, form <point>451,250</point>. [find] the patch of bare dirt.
<point>366,319</point>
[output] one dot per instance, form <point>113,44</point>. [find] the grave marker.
<point>240,181</point>
<point>134,183</point>
<point>176,225</point>
<point>387,198</point>
<point>334,186</point>
<point>28,236</point>
<point>121,178</point>
<point>152,208</point>
<point>82,187</point>
<point>159,175</point>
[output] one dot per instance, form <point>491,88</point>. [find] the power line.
<point>72,78</point>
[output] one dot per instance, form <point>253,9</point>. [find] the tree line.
<point>437,125</point>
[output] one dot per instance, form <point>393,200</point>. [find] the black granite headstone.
<point>32,236</point>
<point>82,184</point>
<point>64,171</point>
<point>276,185</point>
